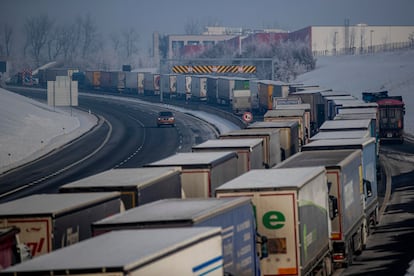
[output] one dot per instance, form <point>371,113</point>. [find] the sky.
<point>25,122</point>
<point>170,17</point>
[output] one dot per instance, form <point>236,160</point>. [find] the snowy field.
<point>29,128</point>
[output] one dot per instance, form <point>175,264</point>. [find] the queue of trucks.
<point>268,199</point>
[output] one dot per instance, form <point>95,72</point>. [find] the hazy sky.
<point>170,16</point>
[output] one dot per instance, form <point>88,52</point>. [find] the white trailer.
<point>51,221</point>
<point>297,115</point>
<point>289,135</point>
<point>249,151</point>
<point>137,185</point>
<point>201,172</point>
<point>291,207</point>
<point>199,88</point>
<point>169,251</point>
<point>131,82</point>
<point>346,134</point>
<point>234,215</point>
<point>168,85</point>
<point>369,169</point>
<point>271,142</point>
<point>344,180</point>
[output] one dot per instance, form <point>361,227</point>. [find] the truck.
<point>369,170</point>
<point>137,185</point>
<point>234,216</point>
<point>249,151</point>
<point>297,115</point>
<point>292,214</point>
<point>201,172</point>
<point>344,181</point>
<point>131,82</point>
<point>51,221</point>
<point>168,85</point>
<point>175,252</point>
<point>151,83</point>
<point>346,125</point>
<point>199,88</point>
<point>93,79</point>
<point>12,251</point>
<point>314,98</point>
<point>289,135</point>
<point>271,142</point>
<point>212,89</point>
<point>341,134</point>
<point>307,115</point>
<point>268,90</point>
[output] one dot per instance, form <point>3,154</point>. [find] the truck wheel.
<point>327,266</point>
<point>350,258</point>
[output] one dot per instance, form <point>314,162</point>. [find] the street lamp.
<point>335,42</point>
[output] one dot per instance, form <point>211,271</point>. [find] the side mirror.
<point>333,207</point>
<point>368,187</point>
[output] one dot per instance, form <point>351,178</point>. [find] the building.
<point>323,40</point>
<point>357,39</point>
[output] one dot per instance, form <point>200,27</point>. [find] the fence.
<point>388,47</point>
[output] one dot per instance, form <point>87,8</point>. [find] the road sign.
<point>247,117</point>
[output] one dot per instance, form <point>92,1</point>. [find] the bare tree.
<point>55,43</point>
<point>89,36</point>
<point>130,39</point>
<point>37,30</point>
<point>70,41</point>
<point>6,43</point>
<point>192,27</point>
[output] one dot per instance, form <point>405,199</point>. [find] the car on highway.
<point>166,118</point>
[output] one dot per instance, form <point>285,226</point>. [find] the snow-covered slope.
<point>29,128</point>
<point>392,71</point>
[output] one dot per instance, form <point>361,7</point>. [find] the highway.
<point>126,137</point>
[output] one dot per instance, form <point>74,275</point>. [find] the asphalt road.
<point>391,246</point>
<point>127,137</point>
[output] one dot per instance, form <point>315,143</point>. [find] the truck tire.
<point>327,266</point>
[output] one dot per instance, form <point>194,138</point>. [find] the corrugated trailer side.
<point>291,209</point>
<point>137,186</point>
<point>234,216</point>
<point>185,251</point>
<point>51,221</point>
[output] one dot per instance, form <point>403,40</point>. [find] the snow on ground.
<point>29,129</point>
<point>392,71</point>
